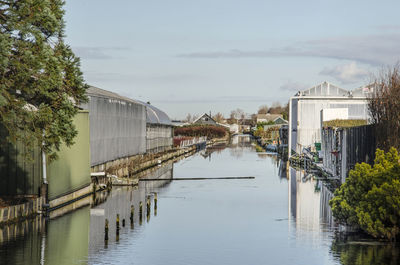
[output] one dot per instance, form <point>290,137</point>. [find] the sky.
<point>188,56</point>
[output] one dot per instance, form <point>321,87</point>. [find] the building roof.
<point>153,114</point>
<point>327,89</point>
<point>156,116</point>
<point>95,91</point>
<point>269,116</point>
<point>204,115</point>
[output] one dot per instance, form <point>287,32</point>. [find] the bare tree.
<point>218,117</point>
<point>237,114</point>
<point>263,109</point>
<point>188,118</point>
<point>276,108</point>
<point>384,107</point>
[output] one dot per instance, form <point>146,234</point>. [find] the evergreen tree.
<point>370,197</point>
<point>40,79</point>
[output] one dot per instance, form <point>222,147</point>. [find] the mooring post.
<point>132,212</point>
<point>117,230</point>
<point>148,204</point>
<point>106,230</point>
<point>140,212</point>
<point>155,204</point>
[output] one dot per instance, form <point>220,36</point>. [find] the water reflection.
<point>65,241</point>
<point>360,253</point>
<point>124,201</point>
<point>239,145</point>
<point>309,202</point>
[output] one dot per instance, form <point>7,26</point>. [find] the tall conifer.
<point>40,80</point>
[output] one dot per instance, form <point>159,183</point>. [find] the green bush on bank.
<point>370,197</point>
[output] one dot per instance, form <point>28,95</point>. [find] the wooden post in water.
<point>155,204</point>
<point>132,212</point>
<point>148,204</point>
<point>117,230</point>
<point>140,212</point>
<point>106,230</point>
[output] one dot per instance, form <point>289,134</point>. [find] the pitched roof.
<point>268,116</point>
<point>206,115</point>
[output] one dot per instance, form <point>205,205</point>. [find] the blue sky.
<point>200,56</point>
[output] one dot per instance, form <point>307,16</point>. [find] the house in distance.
<point>205,119</point>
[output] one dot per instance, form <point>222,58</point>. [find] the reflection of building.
<point>61,241</point>
<point>309,203</point>
<point>283,173</point>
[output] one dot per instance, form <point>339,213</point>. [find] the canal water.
<point>279,217</point>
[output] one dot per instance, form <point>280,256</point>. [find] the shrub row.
<point>211,131</point>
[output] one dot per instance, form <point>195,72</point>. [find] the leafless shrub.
<point>384,107</point>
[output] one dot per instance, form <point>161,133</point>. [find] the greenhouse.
<point>307,108</point>
<point>159,130</point>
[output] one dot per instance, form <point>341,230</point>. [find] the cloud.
<point>388,27</point>
<point>172,78</point>
<point>375,50</point>
<point>293,86</point>
<point>96,53</point>
<point>224,99</point>
<point>346,73</point>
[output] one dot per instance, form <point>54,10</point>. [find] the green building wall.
<point>72,170</point>
<point>18,176</point>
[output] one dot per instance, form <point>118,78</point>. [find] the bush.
<point>270,133</point>
<point>344,123</point>
<point>210,131</point>
<point>370,197</point>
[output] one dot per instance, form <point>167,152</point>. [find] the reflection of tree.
<point>237,152</point>
<point>364,253</point>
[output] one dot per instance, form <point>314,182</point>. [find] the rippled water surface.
<point>279,217</point>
